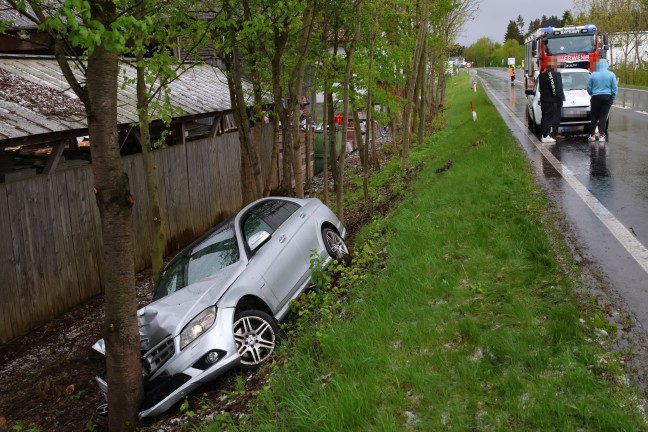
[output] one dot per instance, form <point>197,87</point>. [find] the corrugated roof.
<point>17,20</point>
<point>200,89</point>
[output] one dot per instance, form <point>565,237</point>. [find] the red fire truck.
<point>571,46</point>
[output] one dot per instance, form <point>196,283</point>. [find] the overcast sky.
<point>494,15</point>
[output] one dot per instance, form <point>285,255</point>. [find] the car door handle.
<point>302,215</point>
<point>282,238</point>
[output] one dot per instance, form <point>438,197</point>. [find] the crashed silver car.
<point>218,301</point>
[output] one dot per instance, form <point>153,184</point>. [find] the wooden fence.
<point>50,232</point>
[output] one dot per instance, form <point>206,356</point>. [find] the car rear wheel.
<point>335,245</point>
<point>255,334</point>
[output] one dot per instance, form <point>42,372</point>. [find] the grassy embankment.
<point>472,324</point>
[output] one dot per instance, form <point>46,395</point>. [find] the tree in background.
<point>552,21</point>
<point>480,52</point>
<point>533,26</point>
<point>625,21</point>
<point>519,21</point>
<point>510,49</point>
<point>513,33</point>
<point>567,19</point>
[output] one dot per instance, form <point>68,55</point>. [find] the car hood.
<point>578,97</point>
<point>170,314</point>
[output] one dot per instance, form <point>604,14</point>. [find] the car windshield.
<point>575,80</point>
<point>214,253</point>
<point>577,44</point>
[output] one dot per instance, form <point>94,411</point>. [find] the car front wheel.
<point>255,334</point>
<point>335,245</point>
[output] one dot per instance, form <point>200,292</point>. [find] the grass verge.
<point>469,322</point>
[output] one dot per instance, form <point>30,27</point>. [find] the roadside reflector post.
<point>474,114</point>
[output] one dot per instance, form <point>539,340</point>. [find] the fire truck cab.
<point>571,46</point>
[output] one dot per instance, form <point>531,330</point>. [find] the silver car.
<point>219,300</point>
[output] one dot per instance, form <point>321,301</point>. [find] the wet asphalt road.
<point>601,187</point>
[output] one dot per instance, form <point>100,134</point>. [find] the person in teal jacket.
<point>602,87</point>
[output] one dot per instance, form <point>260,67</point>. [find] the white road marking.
<point>634,247</point>
<point>633,89</point>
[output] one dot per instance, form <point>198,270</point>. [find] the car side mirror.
<point>529,92</point>
<point>257,240</point>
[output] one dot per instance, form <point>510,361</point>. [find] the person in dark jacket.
<point>602,86</point>
<point>551,100</point>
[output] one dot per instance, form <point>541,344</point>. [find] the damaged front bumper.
<point>171,373</point>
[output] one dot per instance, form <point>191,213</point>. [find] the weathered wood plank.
<point>65,263</point>
<point>85,227</point>
<point>9,313</point>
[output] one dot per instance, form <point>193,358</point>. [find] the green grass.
<point>471,324</point>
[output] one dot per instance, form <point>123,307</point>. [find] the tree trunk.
<point>295,93</point>
<point>274,158</point>
<point>325,133</point>
<point>369,121</point>
<point>279,44</point>
<point>251,171</point>
<point>123,364</point>
<point>420,40</point>
<point>422,92</point>
<point>347,80</point>
<point>357,131</point>
<point>157,242</point>
<point>332,138</point>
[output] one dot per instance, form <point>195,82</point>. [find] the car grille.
<point>159,354</point>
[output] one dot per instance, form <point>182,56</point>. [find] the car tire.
<point>334,243</point>
<point>534,126</point>
<point>255,335</point>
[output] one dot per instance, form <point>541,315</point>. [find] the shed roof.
<point>36,99</point>
<point>18,21</point>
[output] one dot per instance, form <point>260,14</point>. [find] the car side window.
<point>267,216</point>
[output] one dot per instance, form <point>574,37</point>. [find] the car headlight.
<point>199,325</point>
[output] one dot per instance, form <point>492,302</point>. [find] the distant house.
<point>457,61</point>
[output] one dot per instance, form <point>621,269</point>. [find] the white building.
<point>628,48</point>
